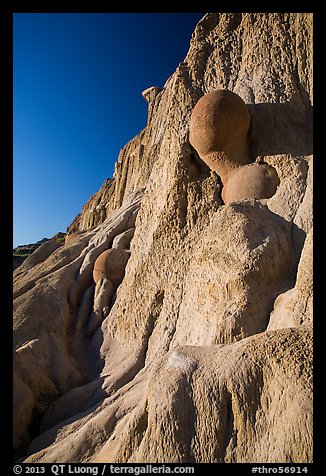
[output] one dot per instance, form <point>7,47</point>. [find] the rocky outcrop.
<point>218,130</point>
<point>150,94</point>
<point>203,352</point>
<point>55,359</point>
<point>40,251</point>
<point>17,261</point>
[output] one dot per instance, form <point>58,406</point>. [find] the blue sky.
<point>78,80</point>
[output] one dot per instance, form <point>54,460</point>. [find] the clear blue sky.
<point>78,80</point>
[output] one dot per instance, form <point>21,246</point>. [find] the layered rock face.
<point>201,350</point>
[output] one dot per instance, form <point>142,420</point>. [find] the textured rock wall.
<point>204,350</point>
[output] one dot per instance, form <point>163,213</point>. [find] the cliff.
<point>190,339</point>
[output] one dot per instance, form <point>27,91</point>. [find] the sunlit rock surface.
<point>203,351</point>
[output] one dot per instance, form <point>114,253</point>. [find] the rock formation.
<point>254,181</point>
<point>218,130</point>
<point>110,265</point>
<point>40,250</point>
<point>203,352</point>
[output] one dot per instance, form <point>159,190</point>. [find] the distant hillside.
<point>25,250</point>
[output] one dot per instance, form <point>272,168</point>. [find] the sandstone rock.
<point>74,225</point>
<point>23,403</point>
<point>17,261</point>
<point>40,254</point>
<point>183,367</point>
<point>122,241</point>
<point>255,181</point>
<point>226,404</point>
<point>21,252</point>
<point>72,236</point>
<point>111,265</point>
<point>201,403</point>
<point>246,251</point>
<point>295,307</point>
<point>292,173</point>
<point>103,293</point>
<point>150,94</point>
<point>58,235</point>
<point>218,130</point>
<point>279,99</point>
<point>303,219</point>
<point>49,306</point>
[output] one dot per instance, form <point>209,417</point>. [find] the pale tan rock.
<point>182,368</point>
<point>122,241</point>
<point>47,315</point>
<point>292,173</point>
<point>303,219</point>
<point>246,251</point>
<point>295,307</point>
<point>40,254</point>
<point>23,403</point>
<point>150,94</point>
<point>279,98</point>
<point>103,293</point>
<point>111,265</point>
<point>73,236</point>
<point>202,404</point>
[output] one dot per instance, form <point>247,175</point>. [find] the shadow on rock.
<point>281,128</point>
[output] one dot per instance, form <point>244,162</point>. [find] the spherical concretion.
<point>219,121</point>
<point>111,265</point>
<point>253,181</point>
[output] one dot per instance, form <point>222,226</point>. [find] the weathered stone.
<point>294,307</point>
<point>38,256</point>
<point>111,265</point>
<point>253,181</point>
<point>150,94</point>
<point>72,236</point>
<point>245,251</point>
<point>182,368</point>
<point>218,130</point>
<point>122,241</point>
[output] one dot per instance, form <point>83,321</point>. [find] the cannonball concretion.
<point>111,265</point>
<point>218,131</point>
<point>254,181</point>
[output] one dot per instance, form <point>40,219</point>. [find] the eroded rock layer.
<point>202,353</point>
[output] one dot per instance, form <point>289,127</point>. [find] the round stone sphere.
<point>72,236</point>
<point>219,120</point>
<point>253,181</point>
<point>111,265</point>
